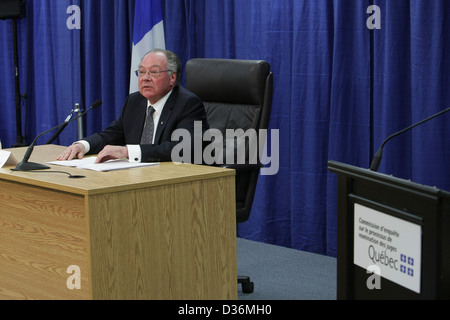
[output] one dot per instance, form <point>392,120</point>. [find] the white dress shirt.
<point>134,150</point>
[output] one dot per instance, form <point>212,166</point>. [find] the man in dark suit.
<point>171,107</point>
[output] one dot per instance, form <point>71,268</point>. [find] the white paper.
<point>110,165</point>
<point>7,157</point>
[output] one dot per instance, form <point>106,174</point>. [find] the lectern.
<point>393,237</point>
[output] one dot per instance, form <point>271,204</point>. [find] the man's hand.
<point>75,150</point>
<point>112,152</point>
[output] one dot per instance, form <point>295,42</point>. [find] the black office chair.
<point>237,95</point>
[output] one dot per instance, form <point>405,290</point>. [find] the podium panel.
<point>393,237</point>
<point>160,232</point>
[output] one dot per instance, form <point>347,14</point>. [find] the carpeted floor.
<point>285,274</point>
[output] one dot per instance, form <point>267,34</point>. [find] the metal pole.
<point>79,111</point>
<point>19,137</point>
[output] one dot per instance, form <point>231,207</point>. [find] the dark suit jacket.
<point>180,111</point>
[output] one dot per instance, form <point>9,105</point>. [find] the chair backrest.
<point>237,95</point>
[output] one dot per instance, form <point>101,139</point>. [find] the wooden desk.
<point>162,232</point>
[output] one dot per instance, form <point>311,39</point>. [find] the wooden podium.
<point>161,232</point>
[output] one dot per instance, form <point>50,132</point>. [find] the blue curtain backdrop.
<point>340,88</point>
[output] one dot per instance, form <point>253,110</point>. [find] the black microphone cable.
<point>71,176</point>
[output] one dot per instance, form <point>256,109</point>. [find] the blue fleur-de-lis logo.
<point>407,261</point>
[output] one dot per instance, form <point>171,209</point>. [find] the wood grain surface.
<point>162,232</point>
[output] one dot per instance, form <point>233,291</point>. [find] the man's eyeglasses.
<point>154,73</point>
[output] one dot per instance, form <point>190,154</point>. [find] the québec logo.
<point>407,265</point>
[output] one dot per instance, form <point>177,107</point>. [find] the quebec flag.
<point>148,34</point>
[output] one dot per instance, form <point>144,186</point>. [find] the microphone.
<point>378,155</point>
<point>63,126</point>
<point>24,165</point>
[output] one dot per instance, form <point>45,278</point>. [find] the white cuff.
<point>134,153</point>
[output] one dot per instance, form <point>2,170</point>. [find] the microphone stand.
<point>24,165</point>
<point>64,125</point>
<point>378,155</point>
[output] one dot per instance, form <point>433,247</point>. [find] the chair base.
<point>247,285</point>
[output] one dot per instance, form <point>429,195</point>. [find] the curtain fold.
<point>339,88</point>
<point>107,38</point>
<point>62,66</point>
<point>55,73</point>
<point>411,79</point>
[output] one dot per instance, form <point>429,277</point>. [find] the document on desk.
<point>6,157</point>
<point>110,165</point>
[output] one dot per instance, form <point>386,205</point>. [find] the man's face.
<point>154,80</point>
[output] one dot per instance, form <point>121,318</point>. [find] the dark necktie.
<point>147,134</point>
